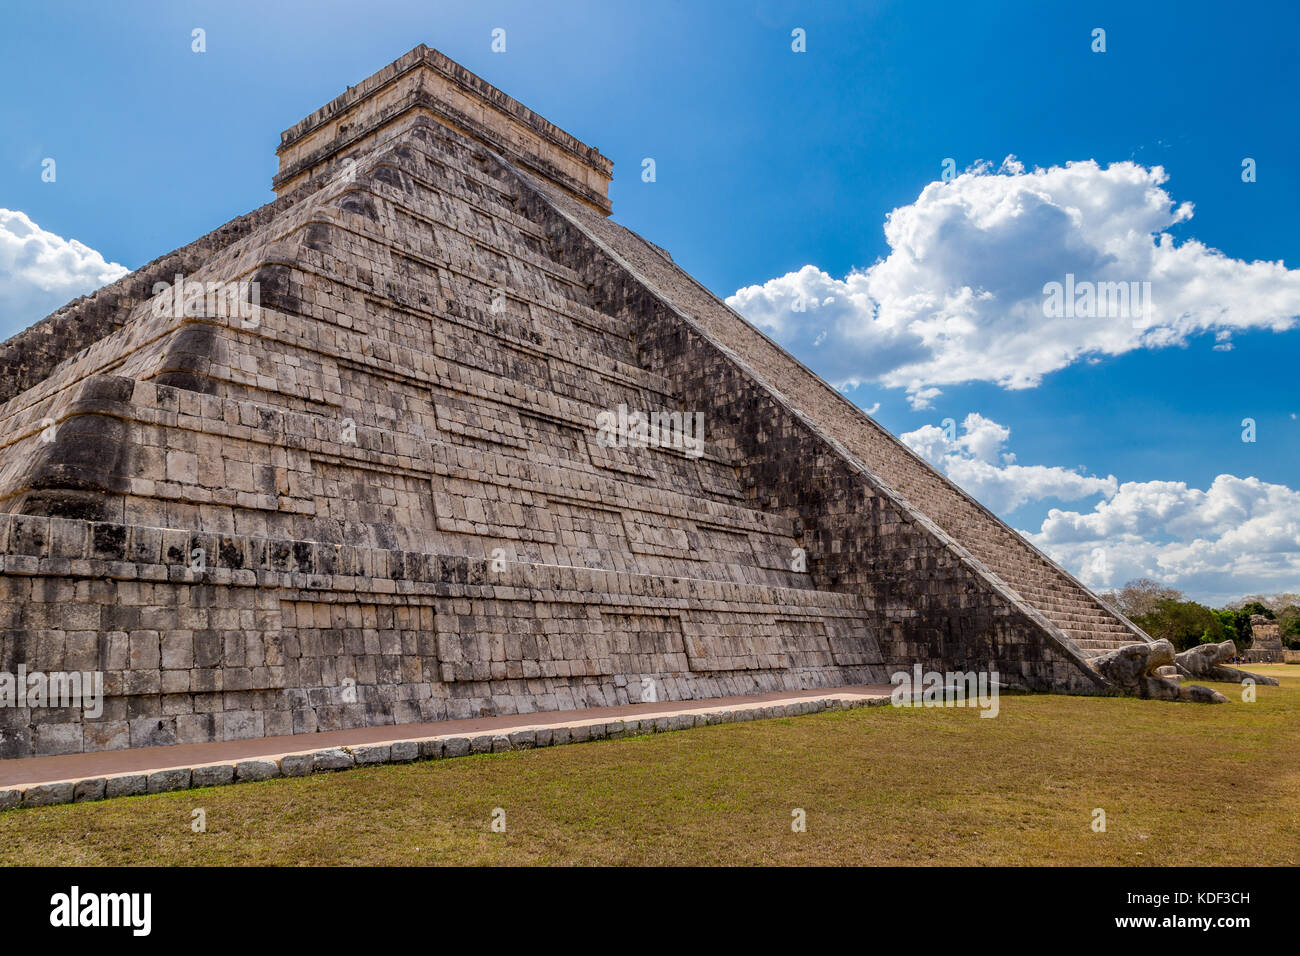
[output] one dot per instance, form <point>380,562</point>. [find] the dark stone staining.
<point>361,204</point>
<point>317,236</point>
<point>110,394</point>
<point>270,422</point>
<point>279,555</point>
<point>229,553</point>
<point>326,560</point>
<point>120,618</point>
<point>109,541</point>
<point>16,742</point>
<point>385,537</point>
<point>277,289</point>
<point>28,537</point>
<point>391,176</point>
<point>72,476</point>
<point>302,557</point>
<point>62,503</point>
<point>451,569</point>
<point>15,644</point>
<point>188,359</point>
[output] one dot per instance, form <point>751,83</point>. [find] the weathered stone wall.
<point>273,636</point>
<point>31,356</point>
<point>441,390</point>
<point>1035,579</point>
<point>927,604</point>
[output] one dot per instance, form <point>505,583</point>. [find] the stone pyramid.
<point>344,462</point>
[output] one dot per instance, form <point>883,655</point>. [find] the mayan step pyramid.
<point>367,486</point>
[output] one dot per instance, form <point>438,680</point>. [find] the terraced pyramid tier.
<point>407,484</point>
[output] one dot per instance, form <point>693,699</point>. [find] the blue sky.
<point>775,172</point>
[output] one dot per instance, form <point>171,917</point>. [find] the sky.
<point>892,203</point>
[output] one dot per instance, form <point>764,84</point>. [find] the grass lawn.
<point>1180,784</point>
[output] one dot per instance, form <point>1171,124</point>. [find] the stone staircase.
<point>1093,627</point>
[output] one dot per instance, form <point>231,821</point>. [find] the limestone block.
<point>48,794</point>
<point>404,751</point>
<point>91,788</point>
<point>164,781</point>
<point>213,775</point>
<point>371,754</point>
<point>126,785</point>
<point>297,765</point>
<point>248,770</point>
<point>332,758</point>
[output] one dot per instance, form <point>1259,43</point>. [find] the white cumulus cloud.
<point>1239,536</point>
<point>40,271</point>
<point>975,459</point>
<point>960,297</point>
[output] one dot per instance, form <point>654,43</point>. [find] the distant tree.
<point>1110,599</point>
<point>1236,627</point>
<point>1257,607</point>
<point>1183,623</point>
<point>1288,619</point>
<point>1272,604</point>
<point>1141,596</point>
<point>1281,602</point>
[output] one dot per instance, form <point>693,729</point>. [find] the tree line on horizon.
<point>1165,612</point>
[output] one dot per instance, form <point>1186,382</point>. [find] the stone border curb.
<point>329,759</point>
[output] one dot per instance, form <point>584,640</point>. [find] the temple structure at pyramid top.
<point>426,84</point>
<point>431,436</point>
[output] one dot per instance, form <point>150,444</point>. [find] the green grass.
<point>1180,784</point>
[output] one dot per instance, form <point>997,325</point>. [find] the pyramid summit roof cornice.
<point>425,83</point>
